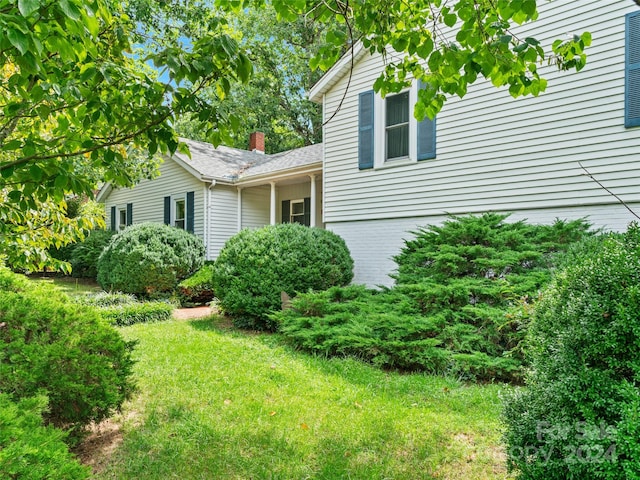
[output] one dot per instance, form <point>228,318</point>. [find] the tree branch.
<point>622,202</point>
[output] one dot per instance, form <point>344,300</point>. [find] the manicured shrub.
<point>29,450</point>
<point>198,288</point>
<point>51,346</point>
<point>455,285</point>
<point>579,415</point>
<point>84,255</point>
<point>255,266</point>
<point>149,259</point>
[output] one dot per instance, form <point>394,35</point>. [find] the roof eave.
<point>266,177</point>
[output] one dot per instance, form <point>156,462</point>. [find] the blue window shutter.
<point>129,214</point>
<point>286,211</point>
<point>190,213</point>
<point>426,137</point>
<point>307,211</point>
<point>167,210</point>
<point>113,219</point>
<point>365,130</point>
<point>632,92</point>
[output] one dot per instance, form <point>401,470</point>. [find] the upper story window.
<point>397,126</point>
<point>388,131</point>
<point>632,60</point>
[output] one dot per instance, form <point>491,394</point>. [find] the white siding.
<point>223,218</point>
<point>256,206</point>
<point>147,197</point>
<point>373,243</point>
<point>497,153</point>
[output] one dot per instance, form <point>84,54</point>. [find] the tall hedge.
<point>149,259</point>
<point>255,266</point>
<point>579,415</point>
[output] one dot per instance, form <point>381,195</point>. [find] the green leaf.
<point>60,182</point>
<point>35,172</point>
<point>27,7</point>
<point>69,9</point>
<point>450,19</point>
<point>18,40</point>
<point>12,145</point>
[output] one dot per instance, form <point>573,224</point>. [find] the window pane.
<point>398,109</point>
<point>179,209</point>
<point>398,141</point>
<point>297,208</point>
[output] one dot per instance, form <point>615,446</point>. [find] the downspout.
<point>239,213</point>
<point>207,230</point>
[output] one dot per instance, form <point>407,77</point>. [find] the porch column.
<point>272,216</point>
<point>313,200</point>
<point>239,208</point>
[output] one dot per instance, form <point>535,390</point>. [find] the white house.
<point>384,174</point>
<point>219,191</point>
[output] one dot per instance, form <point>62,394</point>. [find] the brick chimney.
<point>256,142</point>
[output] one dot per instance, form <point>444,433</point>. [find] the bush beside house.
<point>255,266</point>
<point>149,259</point>
<point>447,312</point>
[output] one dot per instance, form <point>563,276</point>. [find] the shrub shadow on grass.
<point>177,441</point>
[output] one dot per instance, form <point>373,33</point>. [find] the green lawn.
<point>73,287</point>
<point>218,404</point>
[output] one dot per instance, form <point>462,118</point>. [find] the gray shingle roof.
<point>231,164</point>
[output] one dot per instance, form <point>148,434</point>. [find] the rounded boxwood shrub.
<point>255,266</point>
<point>149,259</point>
<point>52,346</point>
<point>579,415</point>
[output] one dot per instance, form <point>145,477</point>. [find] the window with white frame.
<point>122,216</point>
<point>397,126</point>
<point>179,213</point>
<point>297,211</point>
<point>389,132</point>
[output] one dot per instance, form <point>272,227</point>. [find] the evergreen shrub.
<point>149,259</point>
<point>52,346</point>
<point>28,449</point>
<point>579,415</point>
<point>456,284</point>
<point>255,266</point>
<point>84,255</point>
<point>198,288</point>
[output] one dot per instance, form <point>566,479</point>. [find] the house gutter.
<point>263,178</point>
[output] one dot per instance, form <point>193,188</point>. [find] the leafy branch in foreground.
<point>447,45</point>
